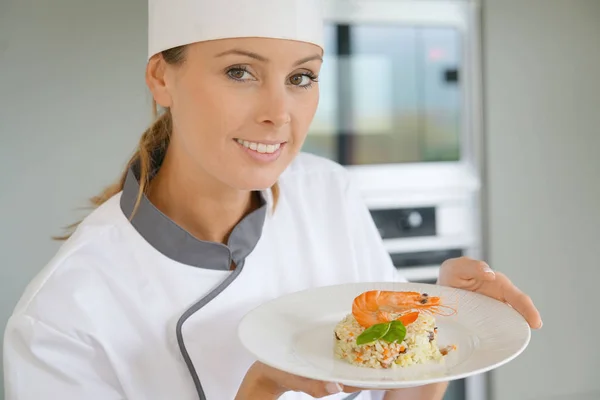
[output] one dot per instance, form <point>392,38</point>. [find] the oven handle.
<point>422,266</point>
<point>421,274</point>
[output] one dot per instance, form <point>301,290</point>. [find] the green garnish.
<point>393,331</point>
<point>373,333</point>
<point>397,332</point>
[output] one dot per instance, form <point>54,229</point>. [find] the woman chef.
<point>216,213</point>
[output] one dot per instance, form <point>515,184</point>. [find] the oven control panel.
<point>405,222</point>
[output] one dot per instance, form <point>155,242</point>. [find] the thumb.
<point>485,272</point>
<point>333,388</point>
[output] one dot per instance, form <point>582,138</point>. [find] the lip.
<point>262,157</point>
<point>273,142</point>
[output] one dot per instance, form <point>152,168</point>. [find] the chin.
<point>252,179</point>
<point>256,184</point>
<point>249,176</point>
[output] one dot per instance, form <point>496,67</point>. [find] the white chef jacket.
<point>142,310</point>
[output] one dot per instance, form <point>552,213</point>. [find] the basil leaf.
<point>396,333</point>
<point>373,333</point>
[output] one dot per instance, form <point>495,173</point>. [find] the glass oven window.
<point>389,94</point>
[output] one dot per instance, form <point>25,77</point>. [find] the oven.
<point>390,93</point>
<point>400,91</point>
<point>400,107</point>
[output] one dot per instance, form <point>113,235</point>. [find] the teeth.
<point>260,147</point>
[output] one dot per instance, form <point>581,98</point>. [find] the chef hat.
<point>175,23</point>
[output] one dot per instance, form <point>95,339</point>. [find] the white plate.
<point>294,333</point>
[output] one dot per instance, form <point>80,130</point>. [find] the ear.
<point>155,80</point>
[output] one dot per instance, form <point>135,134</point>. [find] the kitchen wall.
<point>543,116</point>
<point>73,104</point>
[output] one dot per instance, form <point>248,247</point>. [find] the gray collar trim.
<point>177,244</point>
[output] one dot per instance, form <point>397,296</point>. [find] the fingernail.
<point>488,270</point>
<point>541,324</point>
<point>333,388</point>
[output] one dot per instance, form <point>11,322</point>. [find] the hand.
<point>477,276</point>
<point>265,383</point>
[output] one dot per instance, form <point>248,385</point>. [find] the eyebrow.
<point>264,59</point>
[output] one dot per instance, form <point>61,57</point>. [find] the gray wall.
<point>543,138</point>
<point>72,105</point>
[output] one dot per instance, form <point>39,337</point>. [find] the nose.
<point>274,107</point>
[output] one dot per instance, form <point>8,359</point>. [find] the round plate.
<point>294,333</point>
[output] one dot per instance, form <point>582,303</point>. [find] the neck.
<point>206,208</point>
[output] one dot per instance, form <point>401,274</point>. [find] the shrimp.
<point>376,306</point>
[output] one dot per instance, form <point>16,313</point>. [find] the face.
<point>241,107</point>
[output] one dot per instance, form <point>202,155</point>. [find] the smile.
<point>260,147</point>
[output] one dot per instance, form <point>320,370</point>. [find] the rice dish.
<point>419,345</point>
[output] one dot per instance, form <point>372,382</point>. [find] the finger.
<point>333,388</point>
<point>352,389</point>
<point>467,273</point>
<point>316,389</point>
<point>484,271</point>
<point>524,305</point>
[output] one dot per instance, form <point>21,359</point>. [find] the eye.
<point>303,80</point>
<point>239,73</point>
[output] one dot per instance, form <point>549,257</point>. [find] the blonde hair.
<point>154,140</point>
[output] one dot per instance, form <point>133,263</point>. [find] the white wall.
<point>72,105</point>
<point>543,144</point>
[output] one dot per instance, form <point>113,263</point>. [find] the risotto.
<point>418,346</point>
